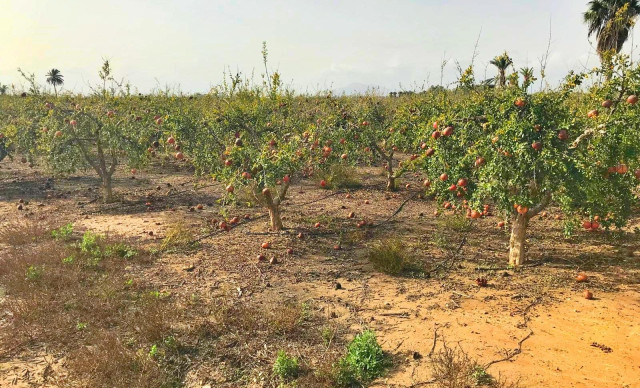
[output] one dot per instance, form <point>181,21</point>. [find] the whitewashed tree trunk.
<point>517,254</point>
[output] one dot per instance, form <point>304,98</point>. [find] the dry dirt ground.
<point>531,324</point>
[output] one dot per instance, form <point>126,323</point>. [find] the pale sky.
<point>314,44</point>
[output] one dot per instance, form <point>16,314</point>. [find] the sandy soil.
<point>535,317</point>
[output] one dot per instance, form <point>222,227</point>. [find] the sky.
<point>315,45</point>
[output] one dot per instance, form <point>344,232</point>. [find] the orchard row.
<point>576,147</point>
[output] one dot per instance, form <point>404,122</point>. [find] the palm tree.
<point>55,78</point>
<point>502,62</point>
<point>527,76</point>
<point>611,21</point>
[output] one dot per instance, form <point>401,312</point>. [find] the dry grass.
<point>86,307</point>
<point>178,237</point>
<point>245,338</point>
<point>340,176</point>
<point>454,368</point>
<point>110,363</point>
<point>81,298</point>
<point>391,257</point>
<point>22,232</point>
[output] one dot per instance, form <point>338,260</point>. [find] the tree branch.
<point>539,207</point>
<point>283,193</point>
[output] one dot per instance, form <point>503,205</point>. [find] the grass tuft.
<point>340,176</point>
<point>391,257</point>
<point>179,237</point>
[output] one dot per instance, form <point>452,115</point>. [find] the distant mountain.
<point>360,88</point>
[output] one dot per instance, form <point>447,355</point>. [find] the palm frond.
<point>55,77</point>
<point>611,21</point>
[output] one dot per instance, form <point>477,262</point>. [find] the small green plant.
<point>159,294</point>
<point>481,376</point>
<point>286,367</point>
<point>34,272</point>
<point>153,352</point>
<point>170,342</point>
<point>81,326</point>
<point>68,260</point>
<point>569,228</point>
<point>305,312</point>
<point>121,250</point>
<point>390,256</point>
<point>328,334</point>
<point>363,362</point>
<point>90,244</point>
<point>63,232</point>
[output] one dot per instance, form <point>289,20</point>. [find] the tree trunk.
<point>273,205</point>
<point>391,182</point>
<point>391,178</point>
<point>275,220</point>
<point>107,191</point>
<point>517,254</point>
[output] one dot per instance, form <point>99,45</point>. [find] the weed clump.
<point>63,233</point>
<point>339,176</point>
<point>363,362</point>
<point>454,368</point>
<point>178,237</point>
<point>391,257</point>
<point>286,367</point>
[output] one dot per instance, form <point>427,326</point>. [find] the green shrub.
<point>363,362</point>
<point>286,367</point>
<point>481,376</point>
<point>90,244</point>
<point>121,250</point>
<point>63,232</point>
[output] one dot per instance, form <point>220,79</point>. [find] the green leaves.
<point>363,362</point>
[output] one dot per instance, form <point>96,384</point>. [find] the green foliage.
<point>255,136</point>
<point>481,376</point>
<point>305,312</point>
<point>91,244</point>
<point>154,351</point>
<point>63,232</point>
<point>467,79</point>
<point>121,250</point>
<point>34,272</point>
<point>286,367</point>
<point>328,334</point>
<point>363,362</point>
